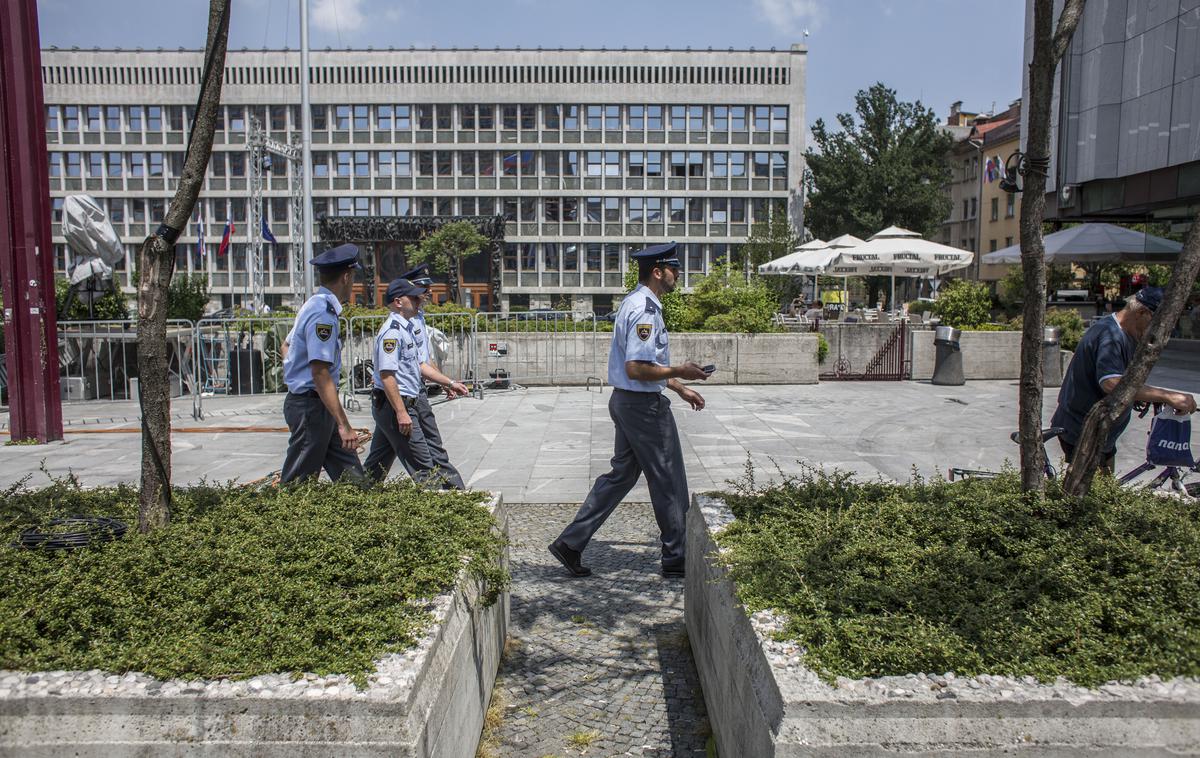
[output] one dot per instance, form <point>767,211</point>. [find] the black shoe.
<point>569,558</point>
<point>673,570</point>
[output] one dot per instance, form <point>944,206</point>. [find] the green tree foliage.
<point>1058,276</point>
<point>1069,322</point>
<point>724,301</point>
<point>887,167</point>
<point>770,239</point>
<point>963,304</point>
<point>675,314</point>
<point>445,249</point>
<point>111,306</point>
<point>187,297</point>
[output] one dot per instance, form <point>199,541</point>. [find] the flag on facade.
<point>228,235</point>
<point>266,233</point>
<point>200,235</point>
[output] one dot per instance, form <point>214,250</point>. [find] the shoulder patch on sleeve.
<point>389,345</point>
<point>644,330</point>
<point>324,332</point>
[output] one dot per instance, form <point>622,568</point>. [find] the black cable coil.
<point>91,529</point>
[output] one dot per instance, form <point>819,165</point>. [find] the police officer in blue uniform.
<point>639,368</point>
<point>397,384</point>
<point>321,437</point>
<point>424,416</point>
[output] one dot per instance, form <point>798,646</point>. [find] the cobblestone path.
<point>597,666</point>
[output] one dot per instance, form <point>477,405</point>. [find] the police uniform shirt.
<point>421,336</point>
<point>639,334</point>
<point>314,338</point>
<point>396,351</point>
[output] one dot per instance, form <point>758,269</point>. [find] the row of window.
<point>456,74</point>
<point>367,163</point>
<point>465,117</point>
<point>636,163</point>
<point>592,210</point>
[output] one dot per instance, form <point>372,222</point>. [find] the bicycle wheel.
<point>1193,489</point>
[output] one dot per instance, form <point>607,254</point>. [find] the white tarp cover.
<point>1097,243</point>
<point>88,230</point>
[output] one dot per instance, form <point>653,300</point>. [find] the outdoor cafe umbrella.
<point>820,261</point>
<point>1097,243</point>
<point>784,264</point>
<point>899,252</point>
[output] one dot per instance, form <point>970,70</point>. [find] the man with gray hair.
<point>1100,361</point>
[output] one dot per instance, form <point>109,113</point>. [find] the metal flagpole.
<point>306,150</point>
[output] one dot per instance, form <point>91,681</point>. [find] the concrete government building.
<point>588,154</point>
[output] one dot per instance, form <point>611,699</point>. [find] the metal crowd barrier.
<point>243,355</point>
<point>97,360</point>
<point>538,348</point>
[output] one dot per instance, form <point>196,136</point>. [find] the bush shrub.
<point>112,306</point>
<point>963,304</point>
<point>1069,322</point>
<point>187,297</point>
<point>822,348</point>
<point>321,578</point>
<point>974,577</point>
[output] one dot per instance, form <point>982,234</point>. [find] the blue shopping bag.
<point>1170,439</point>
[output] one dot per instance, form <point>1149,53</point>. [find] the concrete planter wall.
<point>428,701</point>
<point>986,355</point>
<point>763,702</point>
<point>571,358</point>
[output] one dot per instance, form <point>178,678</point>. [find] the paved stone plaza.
<point>597,666</point>
<point>548,444</point>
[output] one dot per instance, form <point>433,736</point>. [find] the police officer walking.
<point>321,437</point>
<point>397,384</point>
<point>429,372</point>
<point>639,368</point>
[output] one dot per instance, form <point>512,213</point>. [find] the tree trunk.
<point>156,264</point>
<point>1049,45</point>
<point>1104,414</point>
<point>455,265</point>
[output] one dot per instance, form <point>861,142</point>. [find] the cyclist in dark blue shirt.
<point>1099,363</point>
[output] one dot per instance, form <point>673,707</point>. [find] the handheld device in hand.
<point>710,368</point>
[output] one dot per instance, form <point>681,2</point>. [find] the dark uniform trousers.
<point>647,441</point>
<point>389,444</point>
<point>433,438</point>
<point>314,443</point>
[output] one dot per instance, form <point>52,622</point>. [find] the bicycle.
<point>1175,475</point>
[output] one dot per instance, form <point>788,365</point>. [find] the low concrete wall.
<point>427,701</point>
<point>986,355</point>
<point>763,702</point>
<point>571,358</point>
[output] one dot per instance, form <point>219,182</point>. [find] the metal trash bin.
<point>1052,373</point>
<point>947,362</point>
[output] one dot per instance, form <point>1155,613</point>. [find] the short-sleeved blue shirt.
<point>639,334</point>
<point>1104,352</point>
<point>421,335</point>
<point>314,337</point>
<point>396,352</point>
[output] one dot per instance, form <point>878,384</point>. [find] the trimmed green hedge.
<point>321,578</point>
<point>974,577</point>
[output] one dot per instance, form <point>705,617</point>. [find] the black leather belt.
<point>379,399</point>
<point>306,393</point>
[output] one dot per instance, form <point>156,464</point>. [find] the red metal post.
<point>26,255</point>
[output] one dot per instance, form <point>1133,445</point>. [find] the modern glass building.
<point>588,154</point>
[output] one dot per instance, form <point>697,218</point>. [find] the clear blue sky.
<point>937,51</point>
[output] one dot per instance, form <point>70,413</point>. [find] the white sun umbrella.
<point>785,264</point>
<point>899,252</point>
<point>833,250</point>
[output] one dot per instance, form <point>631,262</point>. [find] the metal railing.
<point>97,360</point>
<point>538,347</point>
<point>244,355</point>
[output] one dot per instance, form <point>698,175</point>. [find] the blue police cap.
<point>402,287</point>
<point>661,255</point>
<point>342,256</point>
<point>418,275</point>
<point>1151,297</point>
